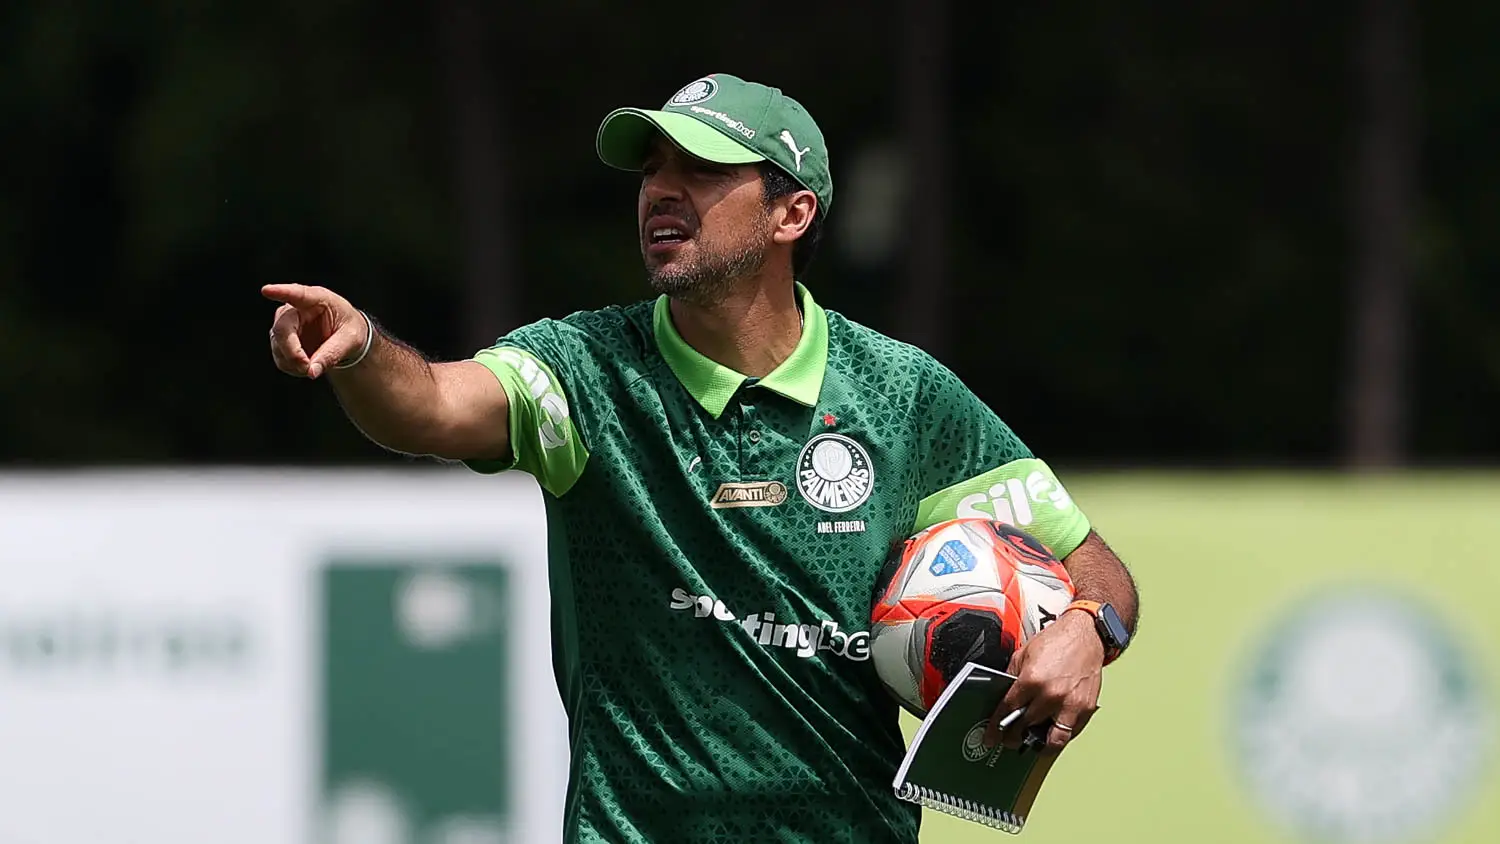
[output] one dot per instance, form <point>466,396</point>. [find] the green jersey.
<point>714,543</point>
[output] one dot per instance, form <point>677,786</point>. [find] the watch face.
<point>1114,626</point>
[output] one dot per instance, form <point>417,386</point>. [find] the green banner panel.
<point>414,711</point>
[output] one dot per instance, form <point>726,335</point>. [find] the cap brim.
<point>625,138</point>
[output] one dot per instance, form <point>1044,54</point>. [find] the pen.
<point>1011,718</point>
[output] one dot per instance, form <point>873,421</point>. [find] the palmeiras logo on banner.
<point>414,704</point>
<point>1361,720</point>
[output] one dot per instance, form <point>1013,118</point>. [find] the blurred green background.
<point>1238,233</point>
<point>1231,567</point>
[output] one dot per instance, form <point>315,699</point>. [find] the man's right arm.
<point>394,395</point>
<point>405,403</point>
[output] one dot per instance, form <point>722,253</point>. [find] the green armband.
<point>543,439</point>
<point>1023,493</point>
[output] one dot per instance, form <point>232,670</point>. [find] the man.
<point>725,469</point>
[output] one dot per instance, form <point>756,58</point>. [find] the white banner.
<point>162,648</point>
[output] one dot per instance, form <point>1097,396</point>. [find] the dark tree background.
<point>1144,234</point>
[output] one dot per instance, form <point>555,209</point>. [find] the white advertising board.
<point>276,656</point>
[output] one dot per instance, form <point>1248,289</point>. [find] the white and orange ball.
<point>966,590</point>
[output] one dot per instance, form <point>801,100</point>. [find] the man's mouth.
<point>667,235</point>
<point>663,232</point>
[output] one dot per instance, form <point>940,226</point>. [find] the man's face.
<point>703,226</point>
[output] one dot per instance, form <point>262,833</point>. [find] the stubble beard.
<point>707,279</point>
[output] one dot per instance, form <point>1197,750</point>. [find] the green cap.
<point>726,120</point>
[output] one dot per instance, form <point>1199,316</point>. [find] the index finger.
<point>296,295</point>
<point>285,322</point>
<point>284,338</point>
<point>998,724</point>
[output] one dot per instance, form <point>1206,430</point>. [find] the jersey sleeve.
<point>974,466</point>
<point>546,440</point>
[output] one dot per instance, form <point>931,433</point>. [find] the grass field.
<point>1218,558</point>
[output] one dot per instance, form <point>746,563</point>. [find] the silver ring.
<point>1064,727</point>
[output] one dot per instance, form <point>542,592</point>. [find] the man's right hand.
<point>313,329</point>
<point>456,410</point>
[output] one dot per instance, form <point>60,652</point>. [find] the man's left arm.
<point>1059,671</point>
<point>974,465</point>
<point>1099,575</point>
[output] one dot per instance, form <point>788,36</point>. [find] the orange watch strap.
<point>1092,607</point>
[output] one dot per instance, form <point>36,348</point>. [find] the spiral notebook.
<point>948,769</point>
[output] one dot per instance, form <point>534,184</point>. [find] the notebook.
<point>947,767</point>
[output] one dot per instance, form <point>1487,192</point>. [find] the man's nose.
<point>661,186</point>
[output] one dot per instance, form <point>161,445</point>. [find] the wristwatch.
<point>1111,629</point>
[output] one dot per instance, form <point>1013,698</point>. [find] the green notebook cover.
<point>947,767</point>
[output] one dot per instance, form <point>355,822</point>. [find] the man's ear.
<point>797,217</point>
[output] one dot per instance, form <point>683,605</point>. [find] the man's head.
<point>733,175</point>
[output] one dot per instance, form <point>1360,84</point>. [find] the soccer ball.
<point>961,591</point>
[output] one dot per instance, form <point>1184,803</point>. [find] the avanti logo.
<point>805,640</point>
<point>755,494</point>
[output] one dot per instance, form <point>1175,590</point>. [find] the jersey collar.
<point>799,377</point>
